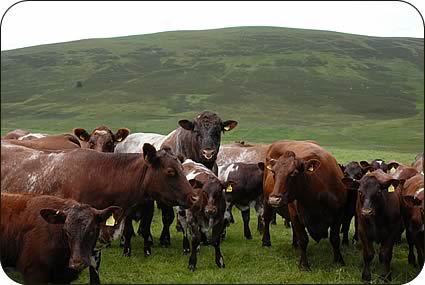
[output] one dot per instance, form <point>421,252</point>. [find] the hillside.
<point>342,90</point>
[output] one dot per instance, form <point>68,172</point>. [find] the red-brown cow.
<point>101,138</point>
<point>49,239</point>
<point>379,218</point>
<point>306,178</point>
<point>412,206</point>
<point>97,178</point>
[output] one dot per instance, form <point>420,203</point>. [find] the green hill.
<point>343,90</point>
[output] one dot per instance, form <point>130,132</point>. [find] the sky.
<point>42,22</point>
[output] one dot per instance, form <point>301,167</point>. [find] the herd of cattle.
<point>63,197</point>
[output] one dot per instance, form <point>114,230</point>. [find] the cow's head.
<point>101,138</point>
<point>373,191</point>
<point>376,164</point>
<point>287,171</point>
<point>212,194</point>
<point>207,128</point>
<point>81,226</point>
<point>166,179</point>
<point>353,172</point>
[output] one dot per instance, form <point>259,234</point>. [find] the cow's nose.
<point>275,201</point>
<point>76,264</point>
<point>367,212</point>
<point>210,211</point>
<point>208,153</point>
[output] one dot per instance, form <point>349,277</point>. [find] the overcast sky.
<point>34,23</point>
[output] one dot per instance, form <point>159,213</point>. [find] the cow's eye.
<point>171,172</point>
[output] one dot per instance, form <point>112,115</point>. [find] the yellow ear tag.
<point>110,222</point>
<point>392,170</point>
<point>311,168</point>
<point>391,188</point>
<point>269,167</point>
<point>226,128</point>
<point>229,188</point>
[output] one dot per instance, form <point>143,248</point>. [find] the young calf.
<point>50,239</point>
<point>379,218</point>
<point>246,191</point>
<point>207,213</point>
<point>412,206</point>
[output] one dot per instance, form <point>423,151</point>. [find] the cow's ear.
<point>270,162</point>
<point>364,163</point>
<point>228,186</point>
<point>53,216</point>
<point>149,154</point>
<point>311,165</point>
<point>342,167</point>
<point>367,169</point>
<point>121,134</point>
<point>350,183</point>
<point>195,183</point>
<point>261,165</point>
<point>392,184</point>
<point>109,216</point>
<point>81,134</point>
<point>229,125</point>
<point>187,125</point>
<point>391,167</point>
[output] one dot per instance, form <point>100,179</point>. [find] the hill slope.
<point>342,90</point>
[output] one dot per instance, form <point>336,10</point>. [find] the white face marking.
<point>224,175</point>
<point>419,191</point>
<point>36,135</point>
<point>118,232</point>
<point>379,162</point>
<point>101,132</point>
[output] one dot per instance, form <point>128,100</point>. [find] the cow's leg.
<point>196,240</point>
<point>294,238</point>
<point>356,235</point>
<point>245,218</point>
<point>94,266</point>
<point>411,257</point>
<point>215,240</point>
<point>268,212</point>
<point>302,238</point>
<point>259,209</point>
<point>145,227</point>
<point>181,217</point>
<point>345,228</point>
<point>335,240</point>
<point>127,234</point>
<point>227,217</point>
<point>368,253</point>
<point>273,218</point>
<point>419,242</point>
<point>167,220</point>
<point>386,254</point>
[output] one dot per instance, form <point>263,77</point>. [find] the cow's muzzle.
<point>210,211</point>
<point>367,212</point>
<point>275,201</point>
<point>208,154</point>
<point>77,264</point>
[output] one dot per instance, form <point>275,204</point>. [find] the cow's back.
<point>236,152</point>
<point>134,142</point>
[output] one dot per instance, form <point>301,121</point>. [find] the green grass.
<point>246,261</point>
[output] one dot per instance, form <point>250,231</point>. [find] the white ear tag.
<point>391,188</point>
<point>311,168</point>
<point>110,222</point>
<point>226,128</point>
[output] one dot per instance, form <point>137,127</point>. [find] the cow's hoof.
<point>220,262</point>
<point>191,267</point>
<point>248,237</point>
<point>304,267</point>
<point>267,244</point>
<point>127,252</point>
<point>148,252</point>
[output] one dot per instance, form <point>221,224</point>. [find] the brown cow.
<point>54,142</point>
<point>97,178</point>
<point>207,213</point>
<point>49,239</point>
<point>306,178</point>
<point>379,218</point>
<point>101,138</point>
<point>412,206</point>
<point>401,171</point>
